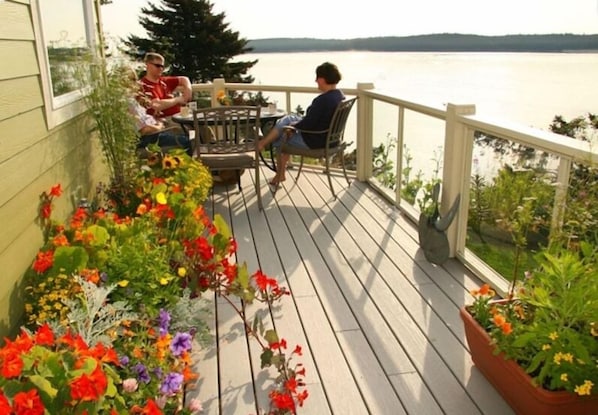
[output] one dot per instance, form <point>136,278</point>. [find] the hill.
<point>443,42</point>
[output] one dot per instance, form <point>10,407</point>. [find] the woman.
<point>317,118</point>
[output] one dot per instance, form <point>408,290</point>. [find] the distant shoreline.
<point>444,42</point>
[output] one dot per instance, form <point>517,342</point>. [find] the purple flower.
<point>164,321</point>
<point>124,360</point>
<point>172,384</point>
<point>180,343</point>
<point>142,373</point>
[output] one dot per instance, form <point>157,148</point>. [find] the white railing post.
<point>560,195</point>
<point>456,172</point>
<point>218,85</point>
<point>364,139</point>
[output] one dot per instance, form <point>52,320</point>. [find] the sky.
<point>345,19</point>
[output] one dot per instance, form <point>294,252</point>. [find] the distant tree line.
<point>445,42</point>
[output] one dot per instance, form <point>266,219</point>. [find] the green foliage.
<point>108,106</point>
<point>93,315</point>
<point>549,329</point>
<point>383,165</point>
<point>580,217</point>
<point>194,41</point>
<point>410,186</point>
<point>479,208</point>
<point>495,205</point>
<point>190,314</point>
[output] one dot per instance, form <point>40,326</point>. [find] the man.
<point>159,90</point>
<point>150,129</point>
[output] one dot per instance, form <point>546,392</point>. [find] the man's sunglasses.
<point>157,65</point>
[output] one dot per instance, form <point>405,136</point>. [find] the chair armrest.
<point>289,129</point>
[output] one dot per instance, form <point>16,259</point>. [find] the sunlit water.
<point>526,88</point>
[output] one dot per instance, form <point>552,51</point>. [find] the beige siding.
<point>16,21</point>
<point>32,158</point>
<point>19,59</point>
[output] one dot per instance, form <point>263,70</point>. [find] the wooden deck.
<point>378,324</point>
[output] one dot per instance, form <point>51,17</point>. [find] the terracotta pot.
<point>516,386</point>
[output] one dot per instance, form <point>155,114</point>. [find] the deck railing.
<point>453,128</point>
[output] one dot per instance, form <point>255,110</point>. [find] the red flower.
<point>28,403</point>
<point>230,271</point>
<point>89,388</point>
<point>44,261</point>
<point>56,190</point>
<point>12,364</point>
<point>298,351</point>
<point>302,397</point>
<point>151,408</point>
<point>46,210</point>
<point>4,404</point>
<point>44,335</point>
<point>282,401</point>
<point>232,247</point>
<point>291,385</point>
<point>282,344</point>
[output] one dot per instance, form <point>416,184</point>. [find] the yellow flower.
<point>564,377</point>
<point>161,198</point>
<point>584,389</point>
<point>182,271</point>
<point>568,357</point>
<point>164,280</point>
<point>553,336</point>
<point>123,283</point>
<point>546,347</point>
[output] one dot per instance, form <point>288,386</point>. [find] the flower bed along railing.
<point>114,301</point>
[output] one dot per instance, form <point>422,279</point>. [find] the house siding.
<point>33,158</point>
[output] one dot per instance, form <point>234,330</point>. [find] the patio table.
<point>267,120</point>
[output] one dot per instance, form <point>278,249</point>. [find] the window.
<point>66,37</point>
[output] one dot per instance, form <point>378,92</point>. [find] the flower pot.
<point>514,384</point>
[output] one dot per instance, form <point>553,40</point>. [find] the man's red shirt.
<point>162,89</point>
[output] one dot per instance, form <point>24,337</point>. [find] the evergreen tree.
<point>194,41</point>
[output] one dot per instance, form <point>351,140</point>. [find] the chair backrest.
<point>226,129</point>
<point>336,131</point>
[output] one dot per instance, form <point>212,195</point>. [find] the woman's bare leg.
<point>272,135</point>
<point>281,169</point>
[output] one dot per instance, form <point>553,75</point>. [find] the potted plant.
<point>539,346</point>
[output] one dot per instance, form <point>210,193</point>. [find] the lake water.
<point>526,88</point>
<point>529,88</point>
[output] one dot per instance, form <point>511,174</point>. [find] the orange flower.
<point>507,328</point>
<point>141,209</point>
<point>499,320</point>
<point>484,289</point>
<point>60,240</point>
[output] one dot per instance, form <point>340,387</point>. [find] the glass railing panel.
<point>511,201</point>
<point>422,158</point>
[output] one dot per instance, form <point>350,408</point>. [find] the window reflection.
<point>66,41</point>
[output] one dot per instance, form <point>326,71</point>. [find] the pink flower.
<point>195,405</point>
<point>130,385</point>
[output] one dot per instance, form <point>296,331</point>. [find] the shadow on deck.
<point>378,324</point>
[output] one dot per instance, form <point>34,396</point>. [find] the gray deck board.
<point>378,324</point>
